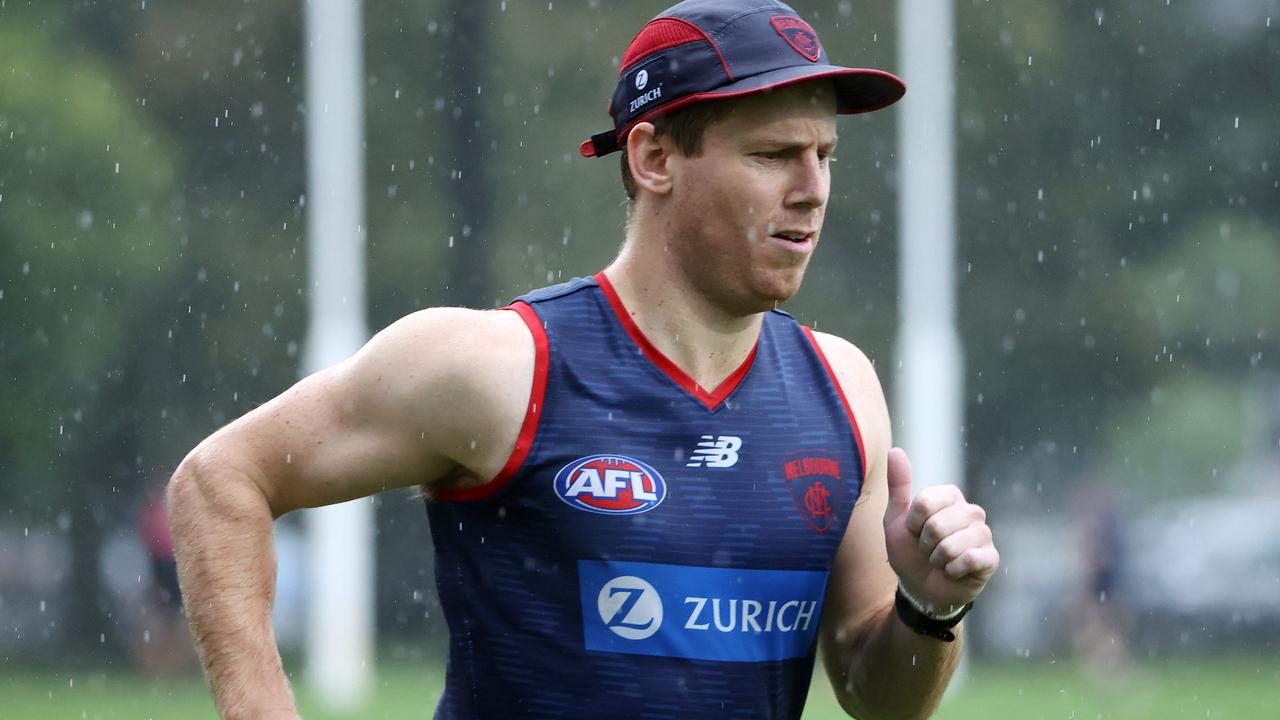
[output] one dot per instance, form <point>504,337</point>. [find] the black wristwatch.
<point>913,615</point>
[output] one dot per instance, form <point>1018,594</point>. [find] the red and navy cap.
<point>713,49</point>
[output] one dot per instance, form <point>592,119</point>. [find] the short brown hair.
<point>686,126</point>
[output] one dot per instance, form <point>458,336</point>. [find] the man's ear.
<point>649,158</point>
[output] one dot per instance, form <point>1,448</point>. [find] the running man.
<point>651,493</point>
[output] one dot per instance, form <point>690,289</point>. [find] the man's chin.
<point>779,291</point>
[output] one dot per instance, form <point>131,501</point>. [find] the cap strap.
<point>605,142</point>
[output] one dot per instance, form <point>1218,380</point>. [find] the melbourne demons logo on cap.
<point>610,485</point>
<point>798,35</point>
<point>813,478</point>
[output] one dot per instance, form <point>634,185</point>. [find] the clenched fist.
<point>939,543</point>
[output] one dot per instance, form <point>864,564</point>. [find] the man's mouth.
<point>794,236</point>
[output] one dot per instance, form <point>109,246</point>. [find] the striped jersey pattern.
<point>652,549</point>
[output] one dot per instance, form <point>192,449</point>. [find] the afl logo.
<point>610,485</point>
<point>642,79</point>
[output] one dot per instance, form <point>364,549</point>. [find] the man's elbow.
<point>183,489</point>
<point>204,485</point>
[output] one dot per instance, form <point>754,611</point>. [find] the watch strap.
<point>913,615</point>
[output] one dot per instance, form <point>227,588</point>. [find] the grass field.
<point>1231,689</point>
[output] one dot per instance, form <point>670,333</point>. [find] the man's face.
<point>748,210</point>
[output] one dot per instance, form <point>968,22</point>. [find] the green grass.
<point>1230,689</point>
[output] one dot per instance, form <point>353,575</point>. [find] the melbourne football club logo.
<point>610,485</point>
<point>813,479</point>
<point>630,607</point>
<point>799,35</point>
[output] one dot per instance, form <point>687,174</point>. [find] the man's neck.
<point>707,342</point>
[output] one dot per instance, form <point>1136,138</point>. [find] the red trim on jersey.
<point>844,399</point>
<point>711,399</point>
<point>524,441</point>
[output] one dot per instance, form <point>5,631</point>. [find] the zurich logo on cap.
<point>610,485</point>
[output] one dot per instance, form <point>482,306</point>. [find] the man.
<point>650,492</point>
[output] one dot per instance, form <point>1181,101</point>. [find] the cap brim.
<point>858,90</point>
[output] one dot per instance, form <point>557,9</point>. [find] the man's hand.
<point>939,543</point>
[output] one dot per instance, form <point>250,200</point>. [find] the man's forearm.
<point>892,673</point>
<point>222,533</point>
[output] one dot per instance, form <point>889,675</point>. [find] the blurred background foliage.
<point>1118,252</point>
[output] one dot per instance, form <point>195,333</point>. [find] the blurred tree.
<point>467,47</point>
<point>1093,138</point>
<point>1104,147</point>
<point>88,228</point>
<point>1211,301</point>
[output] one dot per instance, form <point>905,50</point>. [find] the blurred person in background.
<point>650,492</point>
<point>163,643</point>
<point>1101,623</point>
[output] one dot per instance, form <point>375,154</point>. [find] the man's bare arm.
<point>435,399</point>
<point>879,668</point>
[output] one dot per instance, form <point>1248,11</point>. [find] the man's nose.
<point>811,182</point>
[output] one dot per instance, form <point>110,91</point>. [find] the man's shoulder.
<point>452,344</point>
<point>856,374</point>
<point>463,378</point>
<point>453,327</point>
<point>844,356</point>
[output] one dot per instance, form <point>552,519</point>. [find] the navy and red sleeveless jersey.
<point>651,549</point>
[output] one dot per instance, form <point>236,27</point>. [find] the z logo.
<point>716,452</point>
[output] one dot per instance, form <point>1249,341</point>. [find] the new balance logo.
<point>716,451</point>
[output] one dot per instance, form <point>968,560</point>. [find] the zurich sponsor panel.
<point>699,613</point>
